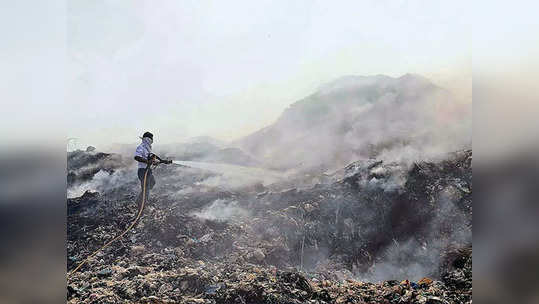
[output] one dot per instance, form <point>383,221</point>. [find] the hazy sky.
<point>228,68</point>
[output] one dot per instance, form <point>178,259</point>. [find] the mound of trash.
<point>372,232</point>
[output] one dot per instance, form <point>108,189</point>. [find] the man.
<point>145,157</point>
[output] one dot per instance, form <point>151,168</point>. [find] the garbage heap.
<point>358,235</point>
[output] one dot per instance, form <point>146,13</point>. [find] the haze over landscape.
<point>319,152</point>
<point>176,70</point>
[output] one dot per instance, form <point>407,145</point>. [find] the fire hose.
<point>139,214</point>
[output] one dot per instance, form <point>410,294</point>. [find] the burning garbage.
<point>373,232</point>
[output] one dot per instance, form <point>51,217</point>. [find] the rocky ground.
<point>369,233</point>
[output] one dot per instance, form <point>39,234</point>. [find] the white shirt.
<point>144,150</point>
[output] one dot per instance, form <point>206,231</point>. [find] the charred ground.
<point>368,233</point>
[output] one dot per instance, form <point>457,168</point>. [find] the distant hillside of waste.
<point>355,117</point>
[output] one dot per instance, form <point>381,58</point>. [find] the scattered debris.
<point>310,245</point>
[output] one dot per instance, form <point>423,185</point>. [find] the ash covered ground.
<point>371,232</point>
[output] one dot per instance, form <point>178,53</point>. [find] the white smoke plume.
<point>234,176</point>
<point>103,181</point>
<point>415,259</point>
<point>403,119</point>
<point>221,210</point>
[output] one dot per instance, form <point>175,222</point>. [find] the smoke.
<point>387,177</point>
<point>234,176</point>
<point>221,210</point>
<point>410,260</point>
<point>403,119</point>
<point>417,258</point>
<point>102,182</point>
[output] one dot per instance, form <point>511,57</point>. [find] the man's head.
<point>148,134</point>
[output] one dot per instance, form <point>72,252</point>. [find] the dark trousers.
<point>150,182</point>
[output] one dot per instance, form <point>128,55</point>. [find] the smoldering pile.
<point>372,232</point>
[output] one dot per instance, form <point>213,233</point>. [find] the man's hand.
<point>167,161</point>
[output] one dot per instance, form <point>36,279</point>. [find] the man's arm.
<point>141,159</point>
<point>154,159</point>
